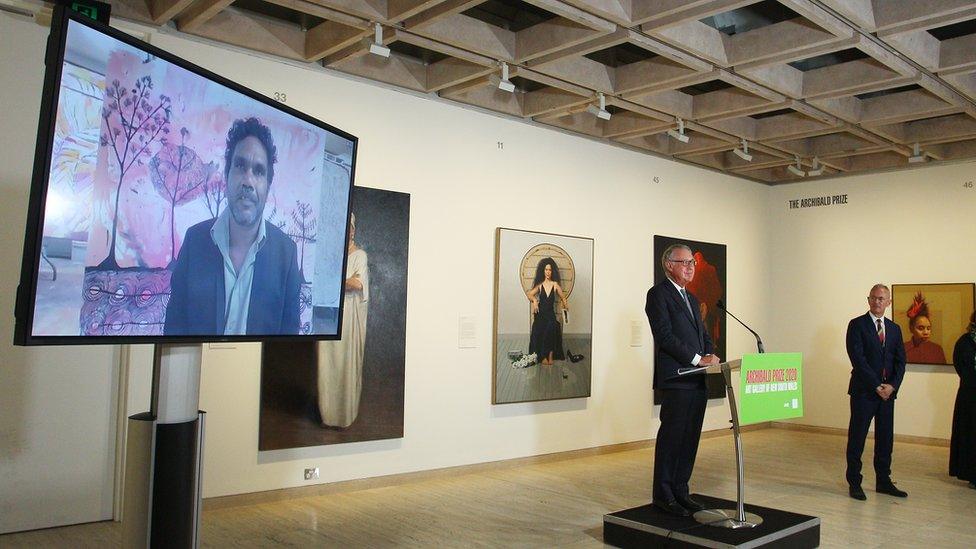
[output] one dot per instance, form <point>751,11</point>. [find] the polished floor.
<point>560,502</point>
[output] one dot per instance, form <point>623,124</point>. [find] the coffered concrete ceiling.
<point>831,86</point>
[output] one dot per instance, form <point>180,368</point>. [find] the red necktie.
<point>881,338</point>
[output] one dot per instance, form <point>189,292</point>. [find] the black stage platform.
<point>648,526</point>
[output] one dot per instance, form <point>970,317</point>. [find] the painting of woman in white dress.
<point>341,362</point>
<point>316,393</point>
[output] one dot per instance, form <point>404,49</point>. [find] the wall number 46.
<point>968,185</point>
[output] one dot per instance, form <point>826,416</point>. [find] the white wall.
<point>57,404</point>
<point>904,227</point>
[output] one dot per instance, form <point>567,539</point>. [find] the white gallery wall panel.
<point>57,404</point>
<point>914,226</point>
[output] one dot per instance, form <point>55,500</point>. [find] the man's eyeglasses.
<point>873,298</point>
<point>684,262</point>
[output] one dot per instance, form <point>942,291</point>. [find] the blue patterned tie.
<point>684,295</point>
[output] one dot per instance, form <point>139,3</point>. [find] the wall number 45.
<point>968,185</point>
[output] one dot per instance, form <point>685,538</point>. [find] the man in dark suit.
<point>681,341</point>
<point>238,274</point>
<point>877,353</point>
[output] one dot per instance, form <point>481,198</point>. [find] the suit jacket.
<point>196,303</point>
<point>679,334</point>
<point>869,359</point>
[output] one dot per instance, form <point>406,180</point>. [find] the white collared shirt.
<point>237,285</point>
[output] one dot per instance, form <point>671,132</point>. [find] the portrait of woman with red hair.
<point>919,349</point>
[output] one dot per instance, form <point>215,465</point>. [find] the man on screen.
<point>237,274</point>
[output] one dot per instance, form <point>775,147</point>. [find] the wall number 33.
<point>281,97</point>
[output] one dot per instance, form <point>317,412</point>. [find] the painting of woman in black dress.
<point>541,352</point>
<point>546,339</point>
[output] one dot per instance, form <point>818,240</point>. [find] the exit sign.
<point>99,11</point>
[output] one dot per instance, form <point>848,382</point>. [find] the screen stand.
<point>164,455</point>
<point>732,518</point>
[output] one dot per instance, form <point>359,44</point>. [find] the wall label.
<point>818,201</point>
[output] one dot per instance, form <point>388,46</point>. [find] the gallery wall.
<point>903,227</point>
<point>57,404</point>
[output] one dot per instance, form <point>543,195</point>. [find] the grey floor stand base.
<point>648,526</point>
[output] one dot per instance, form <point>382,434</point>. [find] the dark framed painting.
<point>543,322</point>
<point>931,318</point>
<point>332,392</point>
<point>709,286</point>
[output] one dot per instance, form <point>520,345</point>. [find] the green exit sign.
<point>99,11</point>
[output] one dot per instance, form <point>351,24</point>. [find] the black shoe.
<point>690,504</point>
<point>573,358</point>
<point>891,490</point>
<point>857,493</point>
<point>672,508</point>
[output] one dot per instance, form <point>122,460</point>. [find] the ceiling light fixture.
<point>818,168</point>
<point>505,84</point>
<point>743,153</point>
<point>795,169</point>
<point>917,156</point>
<point>376,47</point>
<point>680,133</point>
<point>602,112</point>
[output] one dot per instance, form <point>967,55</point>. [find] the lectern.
<point>771,390</point>
<point>738,517</point>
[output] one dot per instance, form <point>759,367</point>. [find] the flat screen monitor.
<point>171,205</point>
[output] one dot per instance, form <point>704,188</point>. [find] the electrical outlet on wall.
<point>312,473</point>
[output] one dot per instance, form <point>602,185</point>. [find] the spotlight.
<point>795,168</point>
<point>918,156</point>
<point>602,112</point>
<point>680,133</point>
<point>818,168</point>
<point>376,47</point>
<point>504,84</point>
<point>743,153</point>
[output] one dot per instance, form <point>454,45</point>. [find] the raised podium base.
<point>648,526</point>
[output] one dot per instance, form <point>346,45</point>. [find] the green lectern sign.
<point>770,387</point>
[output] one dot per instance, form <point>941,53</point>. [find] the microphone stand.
<point>759,343</point>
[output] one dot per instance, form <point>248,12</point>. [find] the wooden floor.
<point>560,503</point>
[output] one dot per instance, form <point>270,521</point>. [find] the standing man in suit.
<point>877,352</point>
<point>681,341</point>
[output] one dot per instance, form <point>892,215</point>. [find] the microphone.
<point>759,343</point>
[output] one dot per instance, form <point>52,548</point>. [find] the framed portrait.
<point>331,392</point>
<point>543,320</point>
<point>931,318</point>
<point>709,286</point>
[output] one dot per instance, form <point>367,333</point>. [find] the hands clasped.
<point>885,391</point>
<point>709,360</point>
